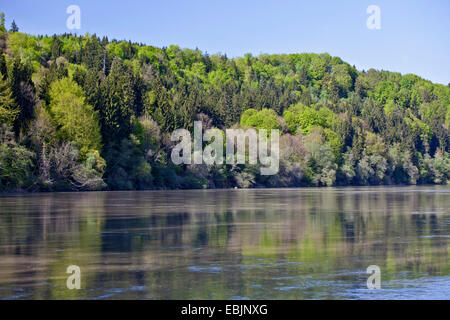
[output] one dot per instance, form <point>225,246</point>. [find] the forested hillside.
<point>87,113</point>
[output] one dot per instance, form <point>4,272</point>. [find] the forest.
<point>80,112</point>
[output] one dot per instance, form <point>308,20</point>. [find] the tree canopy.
<point>89,113</point>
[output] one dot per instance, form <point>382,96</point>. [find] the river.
<point>308,243</point>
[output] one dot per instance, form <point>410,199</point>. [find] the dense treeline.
<point>84,113</point>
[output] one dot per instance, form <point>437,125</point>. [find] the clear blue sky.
<point>414,35</point>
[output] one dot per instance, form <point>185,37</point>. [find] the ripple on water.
<point>436,288</point>
<point>437,236</point>
<point>205,269</point>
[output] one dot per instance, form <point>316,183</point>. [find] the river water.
<point>309,243</point>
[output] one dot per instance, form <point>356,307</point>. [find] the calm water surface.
<point>227,244</point>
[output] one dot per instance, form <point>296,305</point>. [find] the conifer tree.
<point>8,108</point>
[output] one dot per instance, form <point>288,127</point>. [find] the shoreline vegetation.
<point>81,113</point>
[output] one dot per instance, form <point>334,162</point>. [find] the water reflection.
<point>227,244</point>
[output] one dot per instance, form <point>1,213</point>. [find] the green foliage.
<point>15,167</point>
<point>118,99</point>
<point>25,47</point>
<point>16,163</point>
<point>74,101</point>
<point>128,169</point>
<point>321,160</point>
<point>342,74</point>
<point>147,132</point>
<point>23,92</point>
<point>2,20</point>
<point>264,119</point>
<point>57,70</point>
<point>435,170</point>
<point>300,118</point>
<point>403,170</point>
<point>8,108</point>
<point>75,119</point>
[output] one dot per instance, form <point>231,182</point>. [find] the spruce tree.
<point>118,102</point>
<point>8,108</point>
<point>14,27</point>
